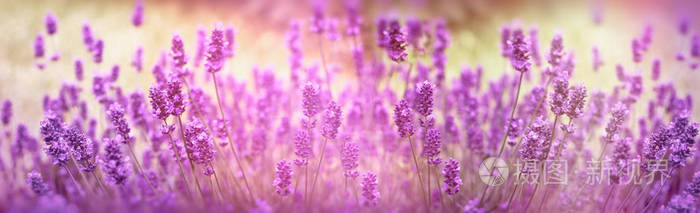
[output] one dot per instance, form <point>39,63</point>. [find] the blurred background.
<point>261,27</point>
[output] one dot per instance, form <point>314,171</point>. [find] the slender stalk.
<point>610,194</point>
<point>306,183</point>
<point>179,162</point>
<point>505,134</point>
<point>420,178</point>
<point>99,183</point>
<point>79,187</point>
<point>230,141</point>
<point>318,169</point>
<point>430,200</point>
<point>138,165</point>
<point>216,178</point>
<point>437,182</point>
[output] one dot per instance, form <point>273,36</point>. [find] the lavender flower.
<point>403,118</point>
<point>369,189</point>
<point>203,147</point>
<point>618,117</point>
<point>137,16</point>
<point>201,45</point>
<point>556,51</point>
<point>159,103</point>
<point>311,99</point>
<point>683,146</point>
<point>230,39</point>
<point>621,156</point>
<point>506,48</point>
<point>318,21</point>
<point>79,69</point>
<point>52,130</point>
<point>350,156</point>
<point>137,60</point>
<point>302,144</point>
<point>97,49</point>
<point>284,177</point>
<point>535,140</point>
<point>216,51</point>
<point>636,51</point>
<point>6,113</point>
<point>114,164</point>
<point>558,102</point>
<point>442,40</point>
<point>36,183</point>
<point>423,102</point>
<point>395,41</point>
<point>88,39</point>
<point>656,69</point>
<point>39,46</point>
<point>115,114</point>
<point>51,25</point>
<point>177,52</point>
<point>577,99</point>
<point>331,121</point>
<point>520,58</point>
<point>451,174</point>
<point>597,59</point>
<point>176,98</point>
<point>431,147</point>
<point>82,148</point>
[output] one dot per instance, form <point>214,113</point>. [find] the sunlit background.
<point>261,25</point>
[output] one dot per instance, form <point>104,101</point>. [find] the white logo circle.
<point>493,171</point>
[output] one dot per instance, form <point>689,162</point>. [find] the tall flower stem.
<point>318,169</point>
<point>505,134</point>
<point>216,178</point>
<point>138,165</point>
<point>179,162</point>
<point>230,141</point>
<point>610,194</point>
<point>420,178</point>
<point>439,187</point>
<point>99,182</point>
<point>74,181</point>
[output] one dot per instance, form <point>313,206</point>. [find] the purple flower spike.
<point>216,51</point>
<point>52,130</point>
<point>302,144</point>
<point>284,177</point>
<point>97,51</point>
<point>202,145</point>
<point>431,147</point>
<point>137,16</point>
<point>36,183</point>
<point>79,69</point>
<point>88,39</point>
<point>597,59</point>
<point>115,114</point>
<point>423,102</point>
<point>403,118</point>
<point>161,107</point>
<point>520,58</point>
<point>51,25</point>
<point>370,193</point>
<point>137,60</point>
<point>618,117</point>
<point>331,121</point>
<point>560,95</point>
<point>6,112</point>
<point>451,174</point>
<point>176,97</point>
<point>177,52</point>
<point>577,100</point>
<point>556,51</point>
<point>39,46</point>
<point>656,69</point>
<point>350,156</point>
<point>534,141</point>
<point>311,99</point>
<point>82,149</point>
<point>395,39</point>
<point>535,46</point>
<point>637,50</point>
<point>695,46</point>
<point>114,164</point>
